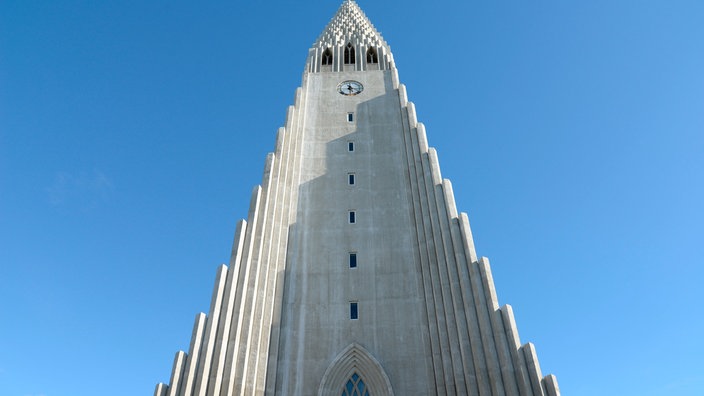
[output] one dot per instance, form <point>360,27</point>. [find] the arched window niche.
<point>372,56</point>
<point>327,57</point>
<point>349,54</point>
<point>355,372</point>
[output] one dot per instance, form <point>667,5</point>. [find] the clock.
<point>350,88</point>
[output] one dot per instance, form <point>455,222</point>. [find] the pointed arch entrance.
<point>351,369</point>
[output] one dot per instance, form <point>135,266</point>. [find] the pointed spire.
<point>350,27</point>
<point>350,24</point>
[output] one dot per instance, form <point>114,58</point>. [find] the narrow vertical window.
<point>353,217</point>
<point>350,179</point>
<point>327,57</point>
<point>372,56</point>
<point>354,310</point>
<point>349,54</point>
<point>350,146</point>
<point>353,260</point>
<point>350,117</point>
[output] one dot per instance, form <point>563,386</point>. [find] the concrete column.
<point>445,380</point>
<point>206,353</point>
<point>292,159</point>
<point>235,340</point>
<point>177,374</point>
<point>193,352</point>
<point>413,154</point>
<point>161,389</point>
<point>550,382</point>
<point>467,239</point>
<point>448,275</point>
<point>402,95</point>
<point>483,306</point>
<point>514,344</point>
<point>502,350</point>
<point>533,368</point>
<point>224,325</point>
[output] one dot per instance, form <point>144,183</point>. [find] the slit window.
<point>353,216</point>
<point>350,146</point>
<point>354,311</point>
<point>353,260</point>
<point>350,117</point>
<point>350,179</point>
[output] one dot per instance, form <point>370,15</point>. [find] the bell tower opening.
<point>372,57</point>
<point>349,54</point>
<point>327,57</point>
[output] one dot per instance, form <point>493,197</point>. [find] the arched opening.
<point>372,57</point>
<point>355,387</point>
<point>349,54</point>
<point>327,57</point>
<point>355,372</point>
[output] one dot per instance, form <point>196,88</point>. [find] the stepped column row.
<point>475,348</point>
<point>231,345</point>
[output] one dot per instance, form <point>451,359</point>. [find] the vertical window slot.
<point>327,57</point>
<point>354,311</point>
<point>353,260</point>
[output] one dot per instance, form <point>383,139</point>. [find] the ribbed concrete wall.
<point>429,318</point>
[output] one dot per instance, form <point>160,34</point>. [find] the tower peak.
<point>349,28</point>
<point>354,260</point>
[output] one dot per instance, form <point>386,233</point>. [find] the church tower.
<point>354,274</point>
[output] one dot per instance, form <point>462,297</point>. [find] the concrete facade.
<point>353,181</point>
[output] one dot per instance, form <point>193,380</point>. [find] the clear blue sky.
<point>132,132</point>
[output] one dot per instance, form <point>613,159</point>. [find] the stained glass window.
<point>355,387</point>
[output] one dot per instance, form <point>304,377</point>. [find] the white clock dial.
<point>350,88</point>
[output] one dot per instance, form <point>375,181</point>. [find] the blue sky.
<point>132,133</point>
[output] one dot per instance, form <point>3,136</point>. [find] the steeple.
<point>354,273</point>
<point>349,42</point>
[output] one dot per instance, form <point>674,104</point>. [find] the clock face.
<point>350,88</point>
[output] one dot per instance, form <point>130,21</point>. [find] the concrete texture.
<point>429,318</point>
